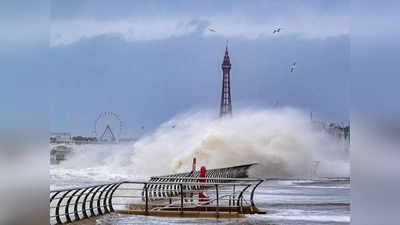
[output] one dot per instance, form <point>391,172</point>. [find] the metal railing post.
<point>67,206</point>
<point>233,197</point>
<point>106,198</point>
<point>111,197</point>
<point>99,199</point>
<point>146,209</point>
<point>76,214</point>
<point>181,186</point>
<point>84,203</point>
<point>240,199</point>
<point>92,213</point>
<point>59,205</point>
<point>217,194</point>
<point>253,206</point>
<point>230,203</point>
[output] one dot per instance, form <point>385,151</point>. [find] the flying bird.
<point>292,67</point>
<point>142,127</point>
<point>276,30</point>
<point>173,126</point>
<point>212,30</point>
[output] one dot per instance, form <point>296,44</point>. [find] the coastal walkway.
<point>223,193</point>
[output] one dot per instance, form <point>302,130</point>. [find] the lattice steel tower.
<point>226,100</point>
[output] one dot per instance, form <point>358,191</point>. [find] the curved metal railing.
<point>213,175</point>
<point>159,191</point>
<point>68,205</point>
<point>73,204</point>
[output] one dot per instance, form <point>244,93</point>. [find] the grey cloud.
<point>149,82</point>
<point>235,19</point>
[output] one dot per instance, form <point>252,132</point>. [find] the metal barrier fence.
<point>213,175</point>
<point>227,172</point>
<point>68,205</point>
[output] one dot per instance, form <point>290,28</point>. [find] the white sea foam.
<point>281,140</point>
<point>307,215</point>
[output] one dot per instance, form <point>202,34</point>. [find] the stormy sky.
<point>150,60</point>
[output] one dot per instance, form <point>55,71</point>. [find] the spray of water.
<point>282,141</point>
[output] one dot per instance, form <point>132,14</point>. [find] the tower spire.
<point>226,100</point>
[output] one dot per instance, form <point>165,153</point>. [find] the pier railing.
<point>68,205</point>
<point>227,172</point>
<point>180,197</point>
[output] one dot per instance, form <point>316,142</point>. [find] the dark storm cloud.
<point>149,82</point>
<point>150,60</point>
<point>149,20</point>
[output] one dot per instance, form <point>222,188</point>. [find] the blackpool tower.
<point>226,100</point>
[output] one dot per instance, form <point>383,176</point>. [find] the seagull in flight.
<point>292,67</point>
<point>276,30</point>
<point>212,30</point>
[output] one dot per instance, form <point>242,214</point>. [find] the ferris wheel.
<point>108,127</point>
